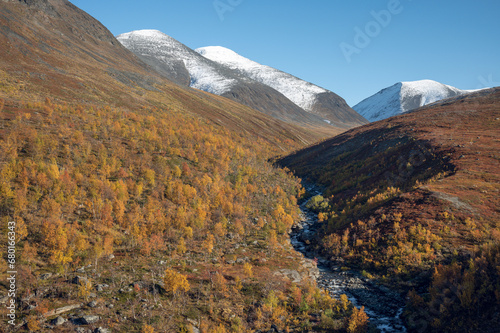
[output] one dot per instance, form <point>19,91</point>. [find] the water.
<point>383,306</point>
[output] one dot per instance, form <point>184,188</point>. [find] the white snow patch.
<point>431,91</point>
<point>403,97</point>
<point>298,91</point>
<point>163,47</point>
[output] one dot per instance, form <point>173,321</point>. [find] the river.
<point>383,306</point>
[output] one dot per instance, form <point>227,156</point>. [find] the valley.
<point>420,211</point>
<point>384,306</point>
<point>149,187</point>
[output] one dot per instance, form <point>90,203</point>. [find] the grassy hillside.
<point>65,54</point>
<point>162,219</point>
<point>414,200</point>
<point>151,206</point>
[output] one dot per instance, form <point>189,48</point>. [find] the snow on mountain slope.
<point>157,46</point>
<point>263,88</point>
<point>186,67</point>
<point>311,98</point>
<point>298,91</point>
<point>403,97</point>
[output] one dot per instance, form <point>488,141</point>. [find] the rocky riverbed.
<point>383,305</point>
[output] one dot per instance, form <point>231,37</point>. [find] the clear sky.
<point>351,47</point>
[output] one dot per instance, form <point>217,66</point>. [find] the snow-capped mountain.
<point>176,61</point>
<point>308,96</point>
<point>403,97</point>
<point>300,92</point>
<point>186,67</point>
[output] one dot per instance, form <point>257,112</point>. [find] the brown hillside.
<point>137,205</point>
<point>458,137</point>
<point>52,48</point>
<point>416,196</point>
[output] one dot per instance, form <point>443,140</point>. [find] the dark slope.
<point>415,198</point>
<point>334,108</point>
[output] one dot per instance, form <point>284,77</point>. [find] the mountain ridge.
<point>413,200</point>
<point>405,96</point>
<point>332,107</point>
<point>186,67</point>
<point>163,52</point>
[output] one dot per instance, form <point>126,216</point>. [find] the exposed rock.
<point>89,319</point>
<point>93,304</point>
<point>45,276</point>
<point>102,330</point>
<point>139,285</point>
<point>62,310</point>
<point>82,330</point>
<point>101,287</point>
<point>292,275</point>
<point>58,321</point>
<point>79,280</point>
<point>194,326</point>
<point>157,289</point>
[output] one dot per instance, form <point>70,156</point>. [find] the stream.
<point>382,305</point>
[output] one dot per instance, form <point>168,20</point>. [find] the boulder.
<point>58,321</point>
<point>82,330</point>
<point>79,280</point>
<point>101,287</point>
<point>89,319</point>
<point>102,330</point>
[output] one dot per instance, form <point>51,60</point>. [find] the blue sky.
<point>353,48</point>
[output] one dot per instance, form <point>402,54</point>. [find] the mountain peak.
<point>300,92</point>
<point>403,97</point>
<point>223,54</point>
<point>145,33</point>
<point>221,71</point>
<point>215,49</point>
<point>310,97</point>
